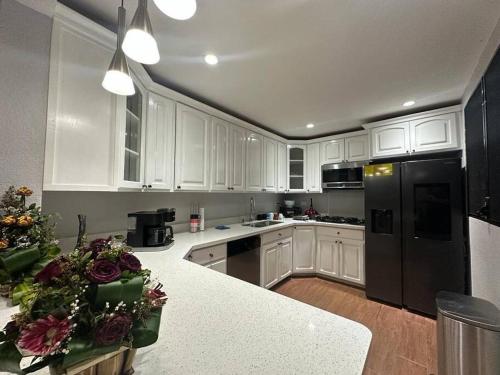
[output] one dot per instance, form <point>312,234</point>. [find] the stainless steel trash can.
<point>468,335</point>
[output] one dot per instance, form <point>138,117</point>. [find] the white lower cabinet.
<point>304,249</point>
<point>352,260</point>
<point>219,266</point>
<point>328,256</point>
<point>276,262</point>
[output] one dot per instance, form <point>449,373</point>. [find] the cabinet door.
<point>220,155</point>
<point>357,148</point>
<point>296,168</point>
<point>434,133</point>
<point>192,156</point>
<point>333,151</point>
<point>270,163</point>
<point>219,266</point>
<point>477,159</point>
<point>254,162</point>
<point>390,140</point>
<point>313,168</point>
<point>285,258</point>
<point>282,167</point>
<point>304,249</point>
<point>237,158</point>
<point>160,138</point>
<point>271,265</point>
<point>328,256</point>
<point>352,260</point>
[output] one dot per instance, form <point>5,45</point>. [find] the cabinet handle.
<point>190,257</point>
<point>228,188</point>
<point>412,150</point>
<point>232,188</point>
<point>149,186</point>
<point>407,151</point>
<point>144,186</point>
<point>178,186</point>
<point>340,241</point>
<point>279,234</point>
<point>336,241</point>
<point>338,232</point>
<point>211,255</point>
<point>280,243</point>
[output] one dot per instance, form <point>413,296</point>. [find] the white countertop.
<point>215,324</point>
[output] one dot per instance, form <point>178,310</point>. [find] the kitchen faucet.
<point>252,209</point>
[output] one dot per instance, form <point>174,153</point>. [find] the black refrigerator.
<point>414,232</point>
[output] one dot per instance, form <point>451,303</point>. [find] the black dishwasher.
<point>243,259</point>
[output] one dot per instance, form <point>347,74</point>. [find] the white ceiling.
<point>336,63</point>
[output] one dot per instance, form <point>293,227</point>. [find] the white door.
<point>254,162</point>
<point>328,256</point>
<point>160,143</point>
<point>219,266</point>
<point>352,260</point>
<point>237,158</point>
<point>332,151</point>
<point>390,140</point>
<point>271,264</point>
<point>220,155</point>
<point>285,258</point>
<point>304,249</point>
<point>282,167</point>
<point>434,133</point>
<point>313,168</point>
<point>297,169</point>
<point>357,148</point>
<point>192,156</point>
<point>270,163</point>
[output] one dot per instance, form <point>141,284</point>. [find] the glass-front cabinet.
<point>296,168</point>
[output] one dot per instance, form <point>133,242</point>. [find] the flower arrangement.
<point>90,302</point>
<point>27,241</point>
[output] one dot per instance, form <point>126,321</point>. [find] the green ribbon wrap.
<point>146,333</point>
<point>114,292</point>
<point>19,259</point>
<point>83,349</point>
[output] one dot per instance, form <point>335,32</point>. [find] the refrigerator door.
<point>433,249</point>
<point>383,233</point>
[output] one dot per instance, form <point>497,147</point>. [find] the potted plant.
<point>27,242</point>
<point>93,305</point>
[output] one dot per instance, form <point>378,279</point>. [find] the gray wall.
<point>24,61</point>
<point>333,202</point>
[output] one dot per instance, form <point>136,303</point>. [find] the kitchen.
<point>290,234</point>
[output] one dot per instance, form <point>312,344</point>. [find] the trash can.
<point>468,335</point>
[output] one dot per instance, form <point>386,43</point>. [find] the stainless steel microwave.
<point>343,175</point>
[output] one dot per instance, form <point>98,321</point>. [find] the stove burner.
<point>341,220</point>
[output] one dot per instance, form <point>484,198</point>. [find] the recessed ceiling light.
<point>211,59</point>
<point>409,103</point>
<point>310,126</point>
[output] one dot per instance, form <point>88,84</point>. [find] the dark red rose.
<point>98,245</point>
<point>11,328</point>
<point>49,272</point>
<point>103,271</point>
<point>129,262</point>
<point>113,329</point>
<point>156,296</point>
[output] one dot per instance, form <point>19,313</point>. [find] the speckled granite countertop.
<point>216,324</point>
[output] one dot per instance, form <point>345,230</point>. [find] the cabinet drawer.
<point>276,235</point>
<point>354,234</point>
<point>208,254</point>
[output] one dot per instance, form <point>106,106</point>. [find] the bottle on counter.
<point>202,219</point>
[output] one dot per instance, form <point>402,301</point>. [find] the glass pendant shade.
<point>117,79</point>
<point>177,9</point>
<point>139,43</point>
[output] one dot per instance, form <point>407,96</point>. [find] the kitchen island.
<point>216,324</point>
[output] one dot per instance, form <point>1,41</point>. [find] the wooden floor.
<point>403,343</point>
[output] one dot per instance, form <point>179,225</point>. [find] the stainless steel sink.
<point>262,223</point>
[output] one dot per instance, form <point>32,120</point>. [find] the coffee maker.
<point>149,228</point>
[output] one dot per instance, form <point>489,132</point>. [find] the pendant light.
<point>139,43</point>
<point>117,79</point>
<point>177,9</point>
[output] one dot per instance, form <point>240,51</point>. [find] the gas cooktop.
<point>341,220</point>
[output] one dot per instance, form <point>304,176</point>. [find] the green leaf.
<point>23,293</point>
<point>10,358</point>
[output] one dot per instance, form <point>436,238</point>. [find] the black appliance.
<point>243,259</point>
<point>290,212</point>
<point>149,228</point>
<point>414,232</point>
<point>340,220</point>
<point>342,175</point>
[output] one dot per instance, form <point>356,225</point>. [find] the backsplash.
<point>333,202</point>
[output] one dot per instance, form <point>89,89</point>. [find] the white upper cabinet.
<point>390,140</point>
<point>237,158</point>
<point>332,151</point>
<point>81,126</point>
<point>220,154</point>
<point>313,168</point>
<point>160,143</point>
<point>434,133</point>
<point>254,162</point>
<point>282,168</point>
<point>270,164</point>
<point>357,148</point>
<point>192,149</point>
<point>304,249</point>
<point>297,168</point>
